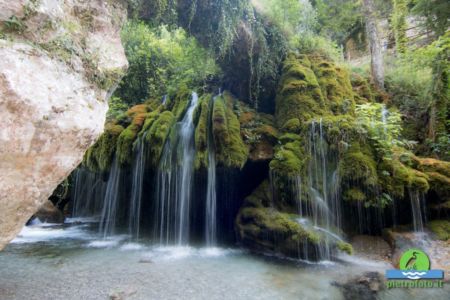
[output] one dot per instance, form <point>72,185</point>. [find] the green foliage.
<point>213,22</point>
<point>14,24</point>
<point>440,90</point>
<point>384,134</point>
<point>291,16</point>
<point>160,60</point>
<point>399,24</point>
<point>338,19</point>
<point>436,14</point>
<point>116,108</point>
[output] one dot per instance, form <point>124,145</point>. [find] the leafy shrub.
<point>160,60</point>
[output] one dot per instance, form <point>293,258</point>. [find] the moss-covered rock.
<point>230,148</point>
<point>201,120</point>
<point>289,159</point>
<point>258,132</point>
<point>354,194</point>
<point>335,84</point>
<point>100,155</point>
<point>267,230</point>
<point>345,247</point>
<point>441,228</point>
<point>124,151</point>
<point>158,129</point>
<point>357,164</point>
<point>362,89</point>
<point>263,228</point>
<point>299,94</point>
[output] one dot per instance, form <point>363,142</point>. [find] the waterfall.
<point>136,190</point>
<point>323,203</point>
<point>417,206</point>
<point>211,196</point>
<point>384,116</point>
<point>174,181</point>
<point>87,188</point>
<point>111,201</point>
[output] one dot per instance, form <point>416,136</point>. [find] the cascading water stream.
<point>174,181</point>
<point>87,188</point>
<point>417,206</point>
<point>136,190</point>
<point>323,203</point>
<point>211,196</point>
<point>384,116</point>
<point>111,201</point>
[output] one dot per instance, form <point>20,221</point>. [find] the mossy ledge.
<point>263,228</point>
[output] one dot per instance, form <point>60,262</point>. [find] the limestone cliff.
<point>61,59</point>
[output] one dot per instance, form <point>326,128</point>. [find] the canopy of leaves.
<point>291,16</point>
<point>436,14</point>
<point>161,60</point>
<point>382,126</point>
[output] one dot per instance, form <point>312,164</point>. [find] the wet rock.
<point>371,247</point>
<point>122,295</point>
<point>364,287</point>
<point>49,213</point>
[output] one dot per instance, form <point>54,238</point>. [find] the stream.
<point>73,261</point>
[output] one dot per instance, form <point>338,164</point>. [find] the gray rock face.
<point>61,59</point>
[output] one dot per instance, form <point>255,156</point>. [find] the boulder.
<point>61,60</point>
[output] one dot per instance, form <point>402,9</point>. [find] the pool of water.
<point>73,262</point>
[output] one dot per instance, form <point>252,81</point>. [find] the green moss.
<point>299,95</point>
<point>361,88</point>
<point>178,104</point>
<point>230,148</point>
<point>397,176</point>
<point>273,224</point>
<point>262,227</point>
<point>287,160</point>
<point>156,134</point>
<point>441,228</point>
<point>125,142</point>
<point>354,194</point>
<point>432,165</point>
<point>335,84</point>
<point>357,164</point>
<point>100,155</point>
<point>201,118</point>
<point>345,247</point>
<point>439,184</point>
<point>292,125</point>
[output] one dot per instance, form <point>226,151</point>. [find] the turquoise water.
<point>73,262</point>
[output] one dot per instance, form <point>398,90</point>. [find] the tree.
<point>436,14</point>
<point>376,54</point>
<point>399,24</point>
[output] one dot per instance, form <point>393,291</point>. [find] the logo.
<point>414,265</point>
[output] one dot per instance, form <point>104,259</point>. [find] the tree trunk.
<point>376,53</point>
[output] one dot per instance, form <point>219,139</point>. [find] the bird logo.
<point>414,263</point>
